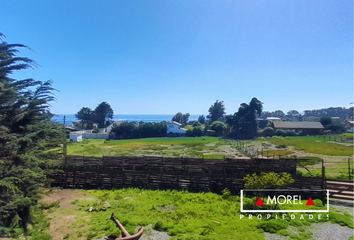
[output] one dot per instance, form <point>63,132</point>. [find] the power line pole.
<point>64,144</point>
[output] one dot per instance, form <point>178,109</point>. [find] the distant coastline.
<point>70,118</point>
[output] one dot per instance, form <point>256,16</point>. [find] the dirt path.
<point>62,218</point>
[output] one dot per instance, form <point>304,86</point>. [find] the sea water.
<point>70,118</point>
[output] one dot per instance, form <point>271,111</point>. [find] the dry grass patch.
<point>63,218</point>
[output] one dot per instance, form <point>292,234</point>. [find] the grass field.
<point>313,145</point>
<point>334,154</point>
<point>183,215</point>
<point>210,147</point>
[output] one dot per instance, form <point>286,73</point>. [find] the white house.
<point>273,119</point>
<point>174,128</point>
<point>112,125</point>
<point>78,136</point>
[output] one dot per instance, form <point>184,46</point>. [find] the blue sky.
<point>161,57</point>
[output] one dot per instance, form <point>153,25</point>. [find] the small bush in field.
<point>268,180</point>
<point>273,225</point>
<point>226,193</point>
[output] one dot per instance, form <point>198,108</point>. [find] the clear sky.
<point>161,57</point>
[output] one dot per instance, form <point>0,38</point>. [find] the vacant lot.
<point>334,154</point>
<point>313,145</point>
<point>209,147</point>
<point>181,215</point>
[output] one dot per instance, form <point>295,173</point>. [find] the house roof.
<point>177,123</point>
<point>273,118</point>
<point>297,125</point>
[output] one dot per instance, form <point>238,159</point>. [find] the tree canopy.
<point>216,111</point>
<point>201,119</point>
<point>244,120</point>
<point>218,127</point>
<point>103,114</point>
<point>181,118</point>
<point>26,132</point>
<point>86,116</point>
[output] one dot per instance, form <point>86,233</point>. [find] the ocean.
<point>70,118</point>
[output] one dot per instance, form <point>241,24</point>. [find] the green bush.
<point>268,180</point>
<point>281,146</point>
<point>194,132</point>
<point>284,133</point>
<point>226,193</point>
<point>273,225</point>
<point>267,132</point>
<point>218,127</point>
<point>197,131</point>
<point>196,124</point>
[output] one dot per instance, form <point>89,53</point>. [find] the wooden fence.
<point>171,173</point>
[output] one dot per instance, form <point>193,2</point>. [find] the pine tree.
<point>244,120</point>
<point>26,135</point>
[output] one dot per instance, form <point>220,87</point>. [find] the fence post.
<point>349,167</point>
<point>324,182</point>
<point>323,171</point>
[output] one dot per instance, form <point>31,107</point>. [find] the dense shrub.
<point>267,132</point>
<point>326,120</point>
<point>195,132</point>
<point>268,180</point>
<point>284,133</point>
<point>218,127</point>
<point>273,225</point>
<point>130,130</point>
<point>335,128</point>
<point>281,146</point>
<point>197,123</point>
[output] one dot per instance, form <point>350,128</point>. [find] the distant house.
<point>310,119</point>
<point>335,119</point>
<point>262,123</point>
<point>173,129</point>
<point>305,127</point>
<point>112,125</point>
<point>273,119</point>
<point>71,129</point>
<point>78,136</point>
<point>350,125</point>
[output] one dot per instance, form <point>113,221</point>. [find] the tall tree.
<point>103,114</point>
<point>181,118</point>
<point>216,111</point>
<point>201,119</point>
<point>85,115</point>
<point>219,127</point>
<point>279,114</point>
<point>293,115</point>
<point>26,132</point>
<point>185,118</point>
<point>244,120</point>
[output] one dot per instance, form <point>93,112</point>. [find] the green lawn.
<point>167,147</point>
<point>183,215</point>
<point>313,145</point>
